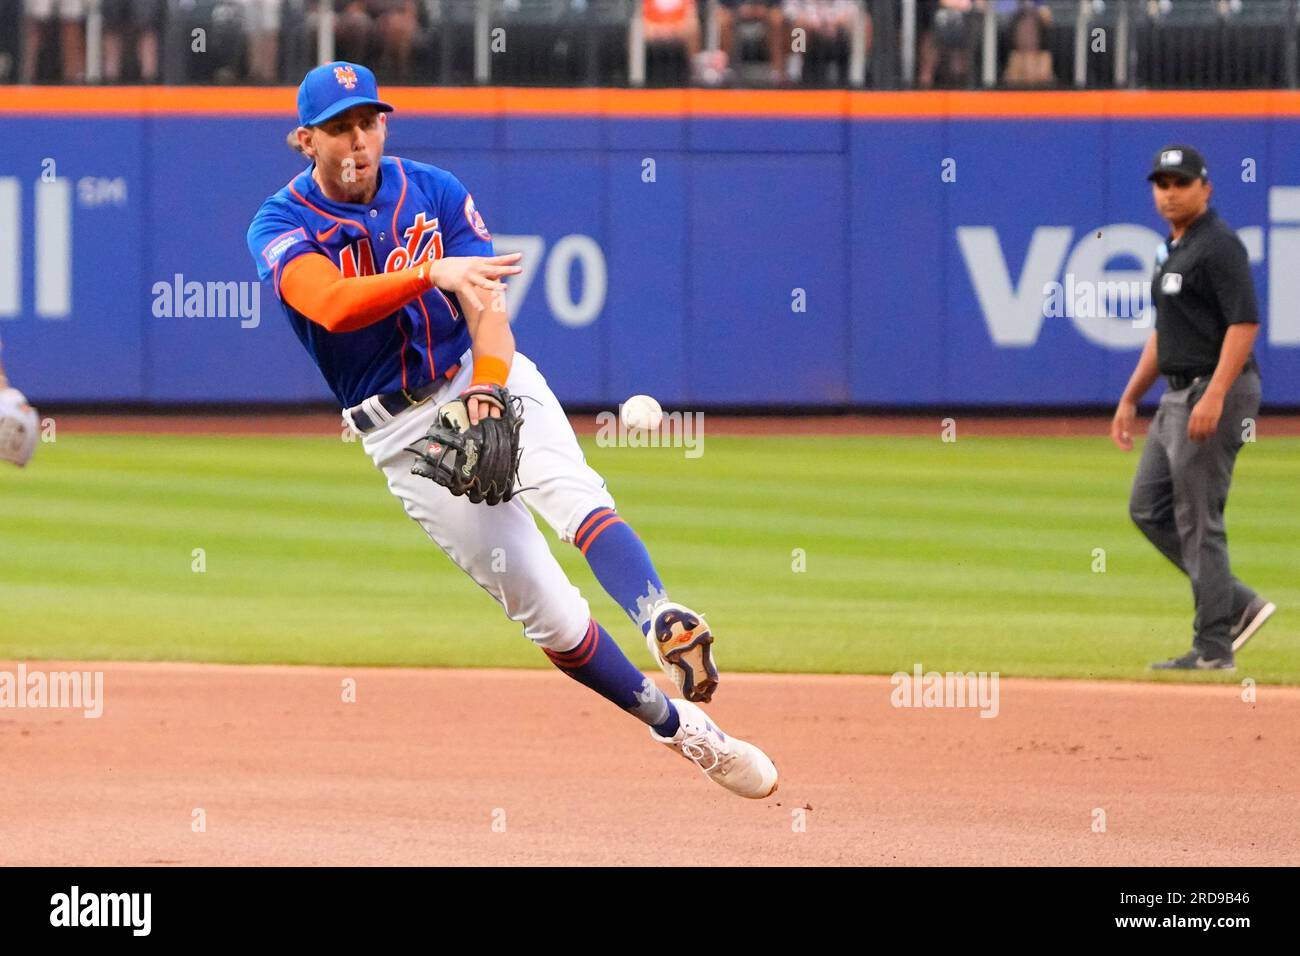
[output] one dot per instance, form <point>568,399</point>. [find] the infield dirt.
<point>525,767</point>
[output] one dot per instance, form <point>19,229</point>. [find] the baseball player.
<point>386,272</point>
<point>18,424</point>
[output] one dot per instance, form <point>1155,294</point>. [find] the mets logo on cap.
<point>332,88</point>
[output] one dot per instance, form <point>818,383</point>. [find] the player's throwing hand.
<point>464,274</point>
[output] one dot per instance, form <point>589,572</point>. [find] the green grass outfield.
<point>974,555</point>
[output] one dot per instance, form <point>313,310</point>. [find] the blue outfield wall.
<point>919,250</point>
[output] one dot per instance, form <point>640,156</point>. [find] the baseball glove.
<point>479,461</point>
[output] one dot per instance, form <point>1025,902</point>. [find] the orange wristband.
<point>490,370</point>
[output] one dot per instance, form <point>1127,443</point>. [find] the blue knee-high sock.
<point>621,564</point>
<point>597,662</point>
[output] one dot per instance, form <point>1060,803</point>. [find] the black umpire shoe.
<point>1252,619</point>
<point>1193,661</point>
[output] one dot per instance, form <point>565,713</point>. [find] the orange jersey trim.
<point>322,236</point>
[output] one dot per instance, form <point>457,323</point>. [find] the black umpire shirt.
<point>1201,288</point>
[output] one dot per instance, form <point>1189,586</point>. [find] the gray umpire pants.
<point>1178,497</point>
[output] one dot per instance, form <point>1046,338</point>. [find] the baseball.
<point>641,411</point>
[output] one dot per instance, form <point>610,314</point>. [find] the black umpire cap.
<point>1181,160</point>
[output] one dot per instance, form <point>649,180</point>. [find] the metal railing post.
<point>636,46</point>
<point>1121,45</point>
<point>858,46</point>
<point>94,42</point>
<point>325,34</point>
<point>1081,45</point>
<point>1289,56</point>
<point>907,40</point>
<point>989,58</point>
<point>482,55</point>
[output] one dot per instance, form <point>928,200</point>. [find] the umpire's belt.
<point>1187,379</point>
<point>380,409</point>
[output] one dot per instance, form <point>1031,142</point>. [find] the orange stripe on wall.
<point>153,100</point>
<point>1077,104</point>
<point>800,104</point>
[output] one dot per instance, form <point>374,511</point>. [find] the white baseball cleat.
<point>682,644</point>
<point>728,761</point>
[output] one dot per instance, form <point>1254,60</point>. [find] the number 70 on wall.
<point>557,271</point>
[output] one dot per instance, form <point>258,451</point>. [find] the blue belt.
<point>379,409</point>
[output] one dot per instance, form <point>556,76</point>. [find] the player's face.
<point>1179,198</point>
<point>347,150</point>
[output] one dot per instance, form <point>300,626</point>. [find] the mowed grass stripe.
<point>976,553</point>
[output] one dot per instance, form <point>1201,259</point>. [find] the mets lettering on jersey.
<point>419,212</point>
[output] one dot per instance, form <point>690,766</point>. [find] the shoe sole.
<point>776,781</point>
<point>1197,669</point>
<point>775,786</point>
<point>759,796</point>
<point>692,655</point>
<point>1258,621</point>
<point>693,658</point>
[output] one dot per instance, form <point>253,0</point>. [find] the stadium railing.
<point>890,44</point>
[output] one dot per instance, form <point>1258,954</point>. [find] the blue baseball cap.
<point>332,88</point>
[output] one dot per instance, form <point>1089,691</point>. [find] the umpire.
<point>1206,322</point>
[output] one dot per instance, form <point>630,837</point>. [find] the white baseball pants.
<point>500,546</point>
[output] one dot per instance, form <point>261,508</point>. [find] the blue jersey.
<point>419,212</point>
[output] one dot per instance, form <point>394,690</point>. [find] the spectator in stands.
<point>673,23</point>
<point>926,54</point>
<point>398,26</point>
<point>127,20</point>
<point>223,55</point>
<point>956,25</point>
<point>71,15</point>
<point>769,12</point>
<point>352,28</point>
<point>947,45</point>
<point>11,12</point>
<point>262,21</point>
<point>1029,64</point>
<point>373,30</point>
<point>828,26</point>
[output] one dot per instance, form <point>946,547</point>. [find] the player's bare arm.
<point>1143,377</point>
<point>1238,342</point>
<point>493,345</point>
